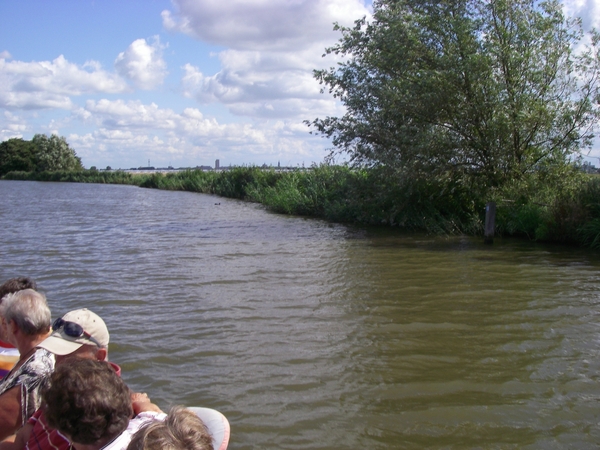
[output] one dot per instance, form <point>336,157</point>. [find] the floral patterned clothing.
<point>30,377</point>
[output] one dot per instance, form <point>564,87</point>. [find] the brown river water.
<point>309,335</point>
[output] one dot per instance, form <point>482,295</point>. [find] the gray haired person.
<point>25,322</point>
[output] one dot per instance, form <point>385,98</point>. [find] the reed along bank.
<point>566,210</point>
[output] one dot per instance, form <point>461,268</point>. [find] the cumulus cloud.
<point>120,116</point>
<point>51,84</point>
<point>168,137</point>
<point>273,48</point>
<point>12,126</point>
<point>263,84</point>
<point>588,10</point>
<point>5,55</point>
<point>143,63</point>
<point>261,24</point>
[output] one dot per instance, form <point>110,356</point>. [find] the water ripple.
<point>309,335</point>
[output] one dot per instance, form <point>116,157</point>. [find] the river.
<point>310,335</point>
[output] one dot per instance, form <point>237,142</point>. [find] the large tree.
<point>42,153</point>
<point>16,155</point>
<point>484,91</point>
<point>53,153</point>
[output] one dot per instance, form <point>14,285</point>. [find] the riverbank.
<point>568,215</point>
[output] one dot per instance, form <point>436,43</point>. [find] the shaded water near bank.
<point>309,335</point>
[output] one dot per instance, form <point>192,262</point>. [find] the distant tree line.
<point>40,154</point>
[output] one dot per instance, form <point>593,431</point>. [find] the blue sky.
<point>181,82</point>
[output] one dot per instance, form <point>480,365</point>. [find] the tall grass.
<point>565,209</point>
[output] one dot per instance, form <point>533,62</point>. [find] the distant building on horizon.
<point>588,167</point>
<point>216,164</point>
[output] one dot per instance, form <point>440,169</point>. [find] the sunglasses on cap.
<point>73,330</point>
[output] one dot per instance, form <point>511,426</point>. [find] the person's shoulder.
<point>41,362</point>
<point>36,370</point>
<point>143,418</point>
<point>42,353</point>
<point>147,416</point>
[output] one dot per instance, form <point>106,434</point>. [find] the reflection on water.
<point>319,336</point>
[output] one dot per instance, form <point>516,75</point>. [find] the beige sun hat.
<point>64,340</point>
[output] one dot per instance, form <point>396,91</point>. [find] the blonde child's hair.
<point>181,430</point>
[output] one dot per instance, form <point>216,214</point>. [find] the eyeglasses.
<point>73,330</point>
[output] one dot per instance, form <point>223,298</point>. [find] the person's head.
<point>16,285</point>
<point>87,402</point>
<point>181,430</point>
<point>80,333</point>
<point>28,311</point>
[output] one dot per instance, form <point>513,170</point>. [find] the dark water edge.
<point>313,335</point>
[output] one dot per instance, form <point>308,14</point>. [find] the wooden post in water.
<point>490,222</point>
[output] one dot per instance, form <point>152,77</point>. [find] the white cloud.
<point>588,10</point>
<point>251,76</point>
<point>269,52</point>
<point>51,84</point>
<point>12,126</point>
<point>261,24</point>
<point>119,116</point>
<point>143,63</point>
<point>122,128</point>
<point>273,48</point>
<point>263,84</point>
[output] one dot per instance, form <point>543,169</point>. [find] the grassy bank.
<point>566,213</point>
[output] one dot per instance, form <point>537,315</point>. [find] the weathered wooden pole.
<point>490,222</point>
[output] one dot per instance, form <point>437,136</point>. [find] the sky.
<point>180,83</point>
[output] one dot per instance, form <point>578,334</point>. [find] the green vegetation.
<point>453,104</point>
<point>569,214</point>
<point>41,154</point>
<point>449,105</point>
<point>342,194</point>
<point>481,93</point>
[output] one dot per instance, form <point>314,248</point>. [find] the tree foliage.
<point>483,92</point>
<point>16,155</point>
<point>53,154</point>
<point>41,154</point>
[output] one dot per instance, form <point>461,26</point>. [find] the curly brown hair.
<point>181,430</point>
<point>87,401</point>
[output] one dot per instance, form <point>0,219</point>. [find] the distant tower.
<point>216,164</point>
<point>279,164</point>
